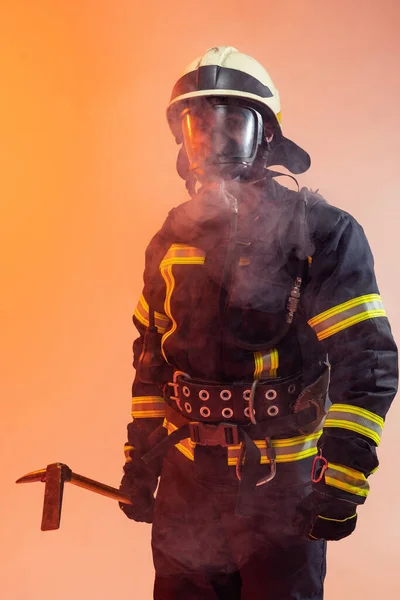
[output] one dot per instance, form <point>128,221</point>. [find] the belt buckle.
<point>206,434</point>
<point>175,385</point>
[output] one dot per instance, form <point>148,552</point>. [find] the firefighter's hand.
<point>142,498</point>
<point>322,517</point>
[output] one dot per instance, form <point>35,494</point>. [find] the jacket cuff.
<point>343,483</point>
<point>346,448</point>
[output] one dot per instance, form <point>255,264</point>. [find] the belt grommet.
<point>246,395</point>
<point>247,412</point>
<point>225,395</point>
<point>204,395</point>
<point>292,388</point>
<point>186,391</point>
<point>273,410</point>
<point>188,407</point>
<point>227,413</point>
<point>205,411</point>
<point>271,395</point>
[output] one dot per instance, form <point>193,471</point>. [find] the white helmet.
<point>225,72</point>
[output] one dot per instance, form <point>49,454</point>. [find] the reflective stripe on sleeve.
<point>346,479</point>
<point>144,407</point>
<point>347,314</point>
<point>266,366</point>
<point>141,313</point>
<point>354,418</point>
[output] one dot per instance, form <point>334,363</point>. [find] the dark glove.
<point>139,481</point>
<point>142,498</point>
<point>322,517</point>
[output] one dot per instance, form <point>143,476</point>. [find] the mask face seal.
<point>221,140</point>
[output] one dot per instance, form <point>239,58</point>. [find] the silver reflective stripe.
<point>148,407</point>
<point>141,313</point>
<point>353,418</point>
<point>346,479</point>
<point>266,365</point>
<point>347,314</point>
<point>286,450</point>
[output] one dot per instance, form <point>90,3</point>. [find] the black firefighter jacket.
<point>340,315</point>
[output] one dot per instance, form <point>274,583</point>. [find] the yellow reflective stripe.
<point>347,314</point>
<point>267,365</point>
<point>148,414</point>
<point>178,254</point>
<point>361,412</point>
<point>142,314</point>
<point>286,450</point>
<point>368,314</point>
<point>127,449</point>
<point>338,520</point>
<point>347,479</point>
<point>350,426</point>
<point>283,458</point>
<point>182,254</point>
<point>258,362</point>
<point>274,362</point>
<point>305,444</point>
<point>309,258</point>
<point>170,284</point>
<point>354,418</point>
<point>341,307</point>
<point>147,400</point>
<point>185,446</point>
<point>147,407</point>
<point>301,439</point>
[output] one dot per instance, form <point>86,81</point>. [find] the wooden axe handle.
<point>99,488</point>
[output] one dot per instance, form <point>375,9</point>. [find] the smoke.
<point>253,236</point>
<point>272,234</point>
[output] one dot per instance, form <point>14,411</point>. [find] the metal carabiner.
<point>315,466</point>
<point>270,453</point>
<point>272,461</point>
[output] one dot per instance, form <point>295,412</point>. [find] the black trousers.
<point>203,551</point>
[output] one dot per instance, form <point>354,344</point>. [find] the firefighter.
<point>256,300</point>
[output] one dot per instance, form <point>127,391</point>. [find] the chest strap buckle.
<point>205,434</point>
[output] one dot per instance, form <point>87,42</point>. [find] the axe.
<point>54,476</point>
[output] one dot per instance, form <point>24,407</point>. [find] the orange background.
<point>87,176</point>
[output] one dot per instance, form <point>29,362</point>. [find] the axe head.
<point>56,475</point>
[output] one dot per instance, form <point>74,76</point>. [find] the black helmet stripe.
<point>214,77</point>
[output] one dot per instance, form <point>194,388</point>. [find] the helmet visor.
<point>219,134</point>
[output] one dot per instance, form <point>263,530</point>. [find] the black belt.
<point>309,409</point>
<point>213,402</point>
